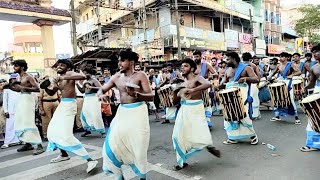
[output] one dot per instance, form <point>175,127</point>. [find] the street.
<point>239,161</point>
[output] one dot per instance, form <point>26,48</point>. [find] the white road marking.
<point>49,169</point>
<point>9,152</point>
<point>23,159</point>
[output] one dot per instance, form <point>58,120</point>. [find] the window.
<point>266,15</point>
<point>278,19</point>
<point>272,17</point>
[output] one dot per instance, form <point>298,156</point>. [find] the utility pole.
<point>99,25</point>
<point>73,28</point>
<point>145,41</point>
<point>178,30</point>
<point>252,33</point>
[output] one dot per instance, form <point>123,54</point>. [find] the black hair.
<point>21,63</point>
<point>150,78</point>
<point>246,56</point>
<point>129,55</point>
<point>66,62</point>
<point>285,54</point>
<point>274,59</point>
<point>296,54</point>
<point>90,70</point>
<point>164,65</point>
<point>308,55</point>
<point>214,58</point>
<point>234,55</point>
<point>191,63</point>
<point>316,48</point>
<point>255,57</point>
<point>197,52</point>
<point>170,64</point>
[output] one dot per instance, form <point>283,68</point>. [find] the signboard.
<point>238,6</point>
<point>245,38</point>
<point>196,43</point>
<point>49,62</point>
<point>274,49</point>
<point>231,35</point>
<point>260,44</point>
<point>63,56</point>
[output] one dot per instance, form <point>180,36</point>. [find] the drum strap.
<point>250,101</point>
<point>239,70</point>
<point>301,66</point>
<point>203,69</point>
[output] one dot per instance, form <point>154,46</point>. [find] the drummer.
<point>313,138</point>
<point>205,70</point>
<point>247,57</point>
<point>297,61</point>
<point>169,77</point>
<point>308,64</point>
<point>263,68</point>
<point>239,74</point>
<point>286,72</point>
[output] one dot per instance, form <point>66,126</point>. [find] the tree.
<point>309,24</point>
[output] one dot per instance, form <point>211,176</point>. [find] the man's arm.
<point>295,72</point>
<point>40,100</point>
<point>107,86</point>
<point>210,69</point>
<point>312,81</point>
<point>274,72</point>
<point>146,94</point>
<point>73,76</point>
<point>224,81</point>
<point>251,76</point>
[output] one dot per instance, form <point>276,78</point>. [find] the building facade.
<point>212,26</point>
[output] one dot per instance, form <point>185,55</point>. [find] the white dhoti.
<point>91,117</point>
<point>242,129</point>
<point>10,137</point>
<point>190,133</point>
<point>127,140</point>
<point>313,137</point>
<point>24,124</point>
<point>171,113</point>
<point>256,101</point>
<point>60,130</point>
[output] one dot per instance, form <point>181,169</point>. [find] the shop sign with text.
<point>245,38</point>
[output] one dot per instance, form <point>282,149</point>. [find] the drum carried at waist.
<point>297,85</point>
<point>311,107</point>
<point>166,95</point>
<point>280,96</point>
<point>232,104</point>
<point>206,98</point>
<point>264,93</point>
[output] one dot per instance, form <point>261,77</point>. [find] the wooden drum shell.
<point>311,107</point>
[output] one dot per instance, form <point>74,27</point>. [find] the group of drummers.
<point>238,90</point>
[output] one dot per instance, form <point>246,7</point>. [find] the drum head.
<point>229,90</point>
<point>297,81</point>
<point>310,98</point>
<point>277,84</point>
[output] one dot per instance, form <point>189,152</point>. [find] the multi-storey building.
<point>212,26</point>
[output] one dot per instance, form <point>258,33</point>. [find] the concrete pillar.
<point>47,45</point>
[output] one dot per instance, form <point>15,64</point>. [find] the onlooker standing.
<point>79,108</point>
<point>106,75</point>
<point>10,99</point>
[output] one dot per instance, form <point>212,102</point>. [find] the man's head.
<point>151,72</point>
<point>64,65</point>
<point>197,56</point>
<point>308,56</point>
<point>316,52</point>
<point>164,68</point>
<point>214,61</point>
<point>273,61</point>
<point>170,67</point>
<point>20,66</point>
<point>246,57</point>
<point>296,57</point>
<point>255,60</point>
<point>222,64</point>
<point>88,72</point>
<point>127,59</point>
<point>137,67</point>
<point>233,59</point>
<point>284,57</point>
<point>106,72</point>
<point>188,66</point>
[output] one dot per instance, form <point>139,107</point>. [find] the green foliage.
<point>309,23</point>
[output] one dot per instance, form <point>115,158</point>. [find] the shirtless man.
<point>24,125</point>
<point>91,117</point>
<point>60,135</point>
<point>297,61</point>
<point>247,57</point>
<point>239,75</point>
<point>191,116</point>
<point>308,64</point>
<point>129,133</point>
<point>205,70</point>
<point>286,70</point>
<point>263,69</point>
<point>312,142</point>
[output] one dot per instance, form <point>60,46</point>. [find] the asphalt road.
<point>240,161</point>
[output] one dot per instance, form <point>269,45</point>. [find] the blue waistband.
<point>191,103</point>
<point>90,94</point>
<point>132,105</point>
<point>68,100</point>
